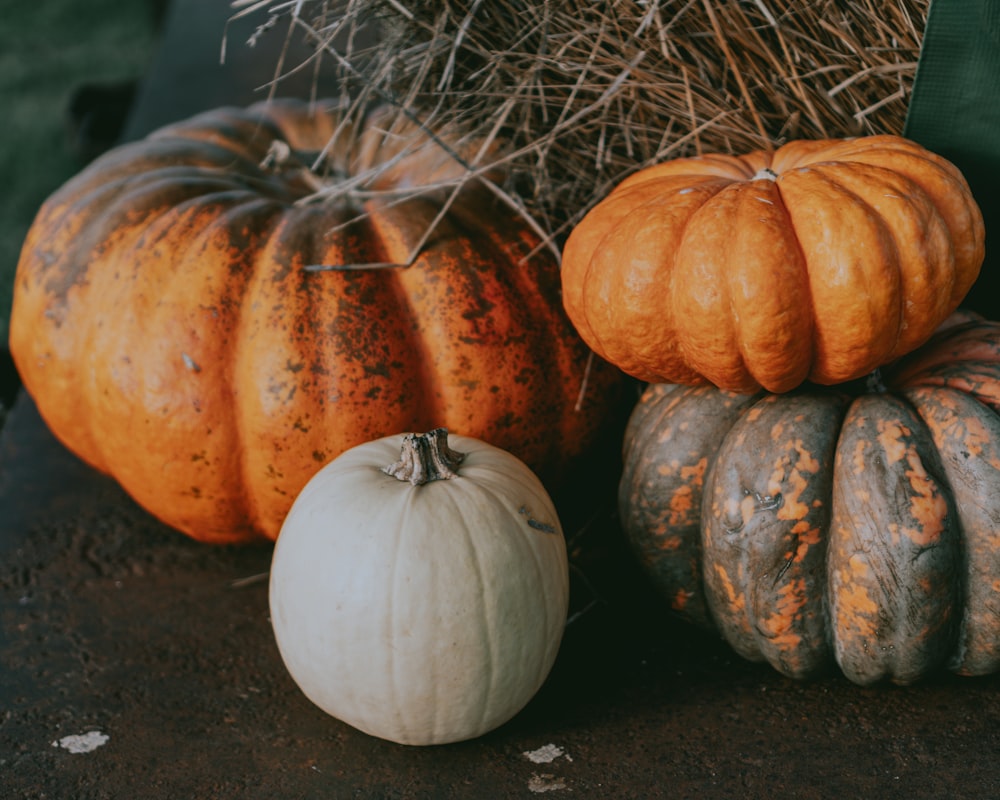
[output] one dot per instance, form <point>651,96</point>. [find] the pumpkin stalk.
<point>425,457</point>
<point>765,174</point>
<point>281,156</point>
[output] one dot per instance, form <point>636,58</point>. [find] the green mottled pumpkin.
<point>828,527</point>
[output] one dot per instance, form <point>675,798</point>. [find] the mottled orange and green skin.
<point>671,434</point>
<point>895,552</point>
<point>826,527</point>
<point>167,326</point>
<point>817,262</point>
<point>764,516</point>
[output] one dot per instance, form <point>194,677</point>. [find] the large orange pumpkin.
<point>821,260</point>
<point>820,527</point>
<point>171,326</point>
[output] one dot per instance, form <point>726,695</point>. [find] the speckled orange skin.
<point>166,325</point>
<point>824,527</point>
<point>847,257</point>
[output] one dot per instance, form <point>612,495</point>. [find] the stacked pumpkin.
<point>814,467</point>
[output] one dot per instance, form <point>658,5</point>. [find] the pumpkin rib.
<point>239,228</point>
<point>392,631</point>
<point>618,315</point>
<point>242,133</point>
<point>647,413</point>
<point>806,153</point>
<point>980,380</point>
<point>772,324</point>
<point>921,242</point>
<point>893,596</point>
<point>499,484</point>
<point>700,275</point>
<point>492,307</point>
<point>854,293</point>
<point>940,180</point>
<point>967,434</point>
<point>79,227</point>
<point>693,170</point>
<point>764,523</point>
<point>199,437</point>
<point>311,361</point>
<point>965,357</point>
<point>71,412</point>
<point>661,489</point>
<point>399,229</point>
<point>481,488</point>
<point>962,344</point>
<point>488,681</point>
<point>797,154</point>
<point>528,283</point>
<point>744,325</point>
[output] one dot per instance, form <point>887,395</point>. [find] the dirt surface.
<point>117,625</point>
<point>159,651</point>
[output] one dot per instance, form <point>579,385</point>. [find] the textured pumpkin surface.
<point>423,614</point>
<point>820,261</point>
<point>820,528</point>
<point>167,325</point>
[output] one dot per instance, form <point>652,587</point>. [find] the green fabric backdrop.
<point>955,111</point>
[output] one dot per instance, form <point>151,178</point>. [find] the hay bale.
<point>581,94</point>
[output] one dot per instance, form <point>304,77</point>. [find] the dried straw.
<point>582,93</point>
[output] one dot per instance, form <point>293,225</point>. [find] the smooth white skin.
<point>420,614</point>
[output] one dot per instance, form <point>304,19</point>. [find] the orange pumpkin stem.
<point>425,457</point>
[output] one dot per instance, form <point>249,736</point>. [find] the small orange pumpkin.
<point>172,331</point>
<point>819,261</point>
<point>818,527</point>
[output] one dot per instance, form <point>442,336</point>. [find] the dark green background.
<point>955,111</point>
<point>48,48</point>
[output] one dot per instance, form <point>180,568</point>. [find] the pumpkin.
<point>419,587</point>
<point>822,528</point>
<point>191,317</point>
<point>819,261</point>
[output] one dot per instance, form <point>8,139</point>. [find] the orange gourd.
<point>831,527</point>
<point>819,261</point>
<point>190,317</point>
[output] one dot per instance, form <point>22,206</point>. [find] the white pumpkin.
<point>421,598</point>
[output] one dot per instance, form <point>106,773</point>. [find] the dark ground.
<point>112,623</point>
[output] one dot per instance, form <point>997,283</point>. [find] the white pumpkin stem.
<point>766,174</point>
<point>425,457</point>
